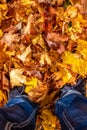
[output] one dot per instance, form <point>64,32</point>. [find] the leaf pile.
<point>43,45</point>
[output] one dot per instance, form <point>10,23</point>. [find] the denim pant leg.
<point>72,111</point>
<point>18,114</point>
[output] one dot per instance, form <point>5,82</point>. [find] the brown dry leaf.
<point>5,81</point>
<point>56,37</point>
<point>3,58</point>
<point>23,56</point>
<point>3,97</point>
<point>9,38</point>
<point>61,49</point>
<point>45,59</point>
<point>82,6</point>
<point>38,93</point>
<point>3,1</point>
<point>30,20</point>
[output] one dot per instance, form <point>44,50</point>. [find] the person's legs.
<point>18,114</point>
<point>71,108</point>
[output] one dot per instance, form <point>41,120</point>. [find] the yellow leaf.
<point>82,48</point>
<point>77,64</point>
<point>1,33</point>
<point>67,76</point>
<point>81,19</point>
<point>3,6</point>
<point>2,96</point>
<point>31,84</point>
<point>49,121</point>
<point>82,44</point>
<point>10,53</point>
<point>77,26</point>
<point>84,53</point>
<point>28,2</point>
<point>39,40</point>
<point>63,74</point>
<point>71,11</point>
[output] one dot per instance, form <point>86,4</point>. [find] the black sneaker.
<point>16,91</point>
<point>80,86</point>
<point>65,89</point>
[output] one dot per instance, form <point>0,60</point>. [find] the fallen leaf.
<point>2,96</point>
<point>17,78</point>
<point>38,93</point>
<point>9,38</point>
<point>23,56</point>
<point>30,20</point>
<point>45,59</point>
<point>48,124</point>
<point>31,84</point>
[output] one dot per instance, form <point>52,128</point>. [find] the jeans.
<point>18,114</point>
<point>72,111</point>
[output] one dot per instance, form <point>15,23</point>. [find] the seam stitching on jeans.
<point>67,123</point>
<point>27,121</point>
<point>71,92</point>
<point>9,125</point>
<point>22,124</point>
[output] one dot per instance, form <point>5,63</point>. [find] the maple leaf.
<point>56,37</point>
<point>54,41</point>
<point>34,73</point>
<point>71,11</point>
<point>9,38</point>
<point>31,84</point>
<point>39,40</point>
<point>23,56</point>
<point>38,93</point>
<point>82,6</point>
<point>78,65</point>
<point>45,59</point>
<point>16,77</point>
<point>82,44</point>
<point>30,20</point>
<point>82,48</point>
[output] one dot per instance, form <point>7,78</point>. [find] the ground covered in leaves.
<point>43,45</point>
